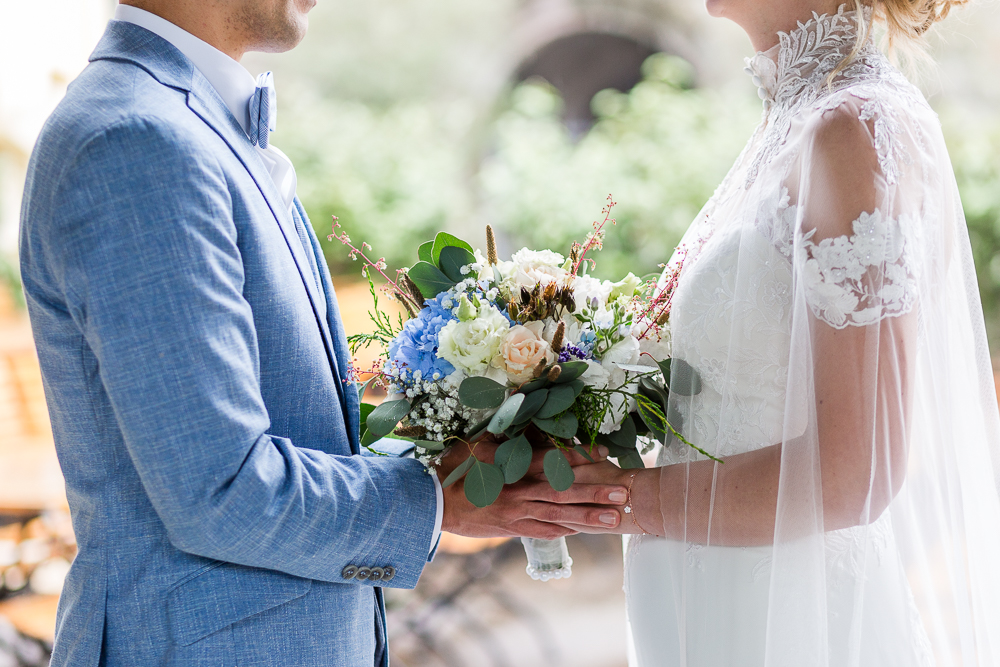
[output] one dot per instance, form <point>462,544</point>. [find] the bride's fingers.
<point>579,516</point>
<point>578,494</point>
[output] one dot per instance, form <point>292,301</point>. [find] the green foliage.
<point>558,470</point>
<point>514,458</point>
<point>10,279</point>
<point>384,418</point>
<point>504,417</point>
<point>483,483</point>
<point>481,393</point>
<point>660,149</point>
<point>974,146</point>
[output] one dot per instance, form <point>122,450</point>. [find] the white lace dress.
<point>833,255</point>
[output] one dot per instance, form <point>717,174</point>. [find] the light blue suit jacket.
<point>193,359</point>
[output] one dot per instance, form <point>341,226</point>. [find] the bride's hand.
<point>531,507</point>
<point>642,497</point>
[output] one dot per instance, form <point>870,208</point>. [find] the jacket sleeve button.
<point>363,573</point>
<point>377,574</point>
<point>349,572</point>
<point>388,573</point>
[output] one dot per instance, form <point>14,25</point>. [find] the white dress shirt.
<point>236,87</point>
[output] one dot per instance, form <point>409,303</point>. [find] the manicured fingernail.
<point>603,451</point>
<point>608,518</point>
<point>617,496</point>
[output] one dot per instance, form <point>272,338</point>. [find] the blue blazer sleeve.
<point>143,247</point>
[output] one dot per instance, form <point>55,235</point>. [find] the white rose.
<point>537,257</point>
<point>536,267</point>
<point>521,351</point>
<point>470,346</point>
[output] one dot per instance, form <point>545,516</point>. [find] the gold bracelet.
<point>628,504</point>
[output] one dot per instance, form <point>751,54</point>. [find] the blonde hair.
<point>904,23</point>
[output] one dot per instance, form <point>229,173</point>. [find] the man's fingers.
<point>541,530</point>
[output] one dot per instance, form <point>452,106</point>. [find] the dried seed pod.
<point>525,296</point>
<point>412,290</point>
<point>491,247</point>
<point>557,337</point>
<point>411,431</point>
<point>539,369</point>
<point>549,293</point>
<point>663,318</point>
<point>514,311</point>
<point>554,373</point>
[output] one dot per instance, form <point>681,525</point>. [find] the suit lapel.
<point>204,101</point>
<point>341,351</point>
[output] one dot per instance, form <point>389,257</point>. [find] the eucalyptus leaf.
<point>453,259</point>
<point>578,387</point>
<point>478,429</point>
<point>430,445</point>
<point>483,484</point>
<point>532,402</point>
<point>425,253</point>
<point>665,369</point>
<point>457,473</point>
<point>626,435</point>
<point>429,279</point>
<point>631,461</point>
<point>385,416</point>
<point>445,240</point>
<point>534,385</point>
<point>648,412</point>
<point>684,379</point>
<point>571,370</point>
<point>558,470</point>
<point>563,427</point>
<point>504,417</point>
<point>481,393</point>
<point>582,451</point>
<point>561,398</point>
<point>514,458</point>
<point>366,409</point>
<point>368,438</point>
<point>362,388</point>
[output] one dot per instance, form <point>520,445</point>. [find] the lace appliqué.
<point>859,280</point>
<point>799,80</point>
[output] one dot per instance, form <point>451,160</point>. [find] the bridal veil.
<point>829,304</point>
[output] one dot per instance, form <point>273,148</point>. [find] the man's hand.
<point>531,507</point>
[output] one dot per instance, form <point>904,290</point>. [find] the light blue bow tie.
<point>263,111</point>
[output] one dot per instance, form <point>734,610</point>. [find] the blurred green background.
<point>418,117</point>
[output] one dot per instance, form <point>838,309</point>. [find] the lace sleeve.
<point>860,279</point>
<point>856,254</point>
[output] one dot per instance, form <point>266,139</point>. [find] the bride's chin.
<point>716,8</point>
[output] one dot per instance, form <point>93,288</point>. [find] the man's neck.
<point>207,20</point>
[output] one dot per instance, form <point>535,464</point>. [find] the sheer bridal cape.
<point>828,302</point>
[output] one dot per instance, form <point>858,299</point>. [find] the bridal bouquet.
<point>532,350</point>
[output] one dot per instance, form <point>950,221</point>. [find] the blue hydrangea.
<point>415,348</point>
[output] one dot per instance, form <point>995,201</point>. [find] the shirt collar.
<point>230,79</point>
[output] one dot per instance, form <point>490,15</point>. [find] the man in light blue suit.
<point>195,369</point>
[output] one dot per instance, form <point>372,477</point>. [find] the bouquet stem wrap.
<point>547,559</point>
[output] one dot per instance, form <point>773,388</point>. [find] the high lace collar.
<point>805,56</point>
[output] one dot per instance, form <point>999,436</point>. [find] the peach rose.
<point>521,350</point>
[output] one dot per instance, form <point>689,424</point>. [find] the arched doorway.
<point>581,65</point>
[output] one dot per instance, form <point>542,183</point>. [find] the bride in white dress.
<point>827,300</point>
